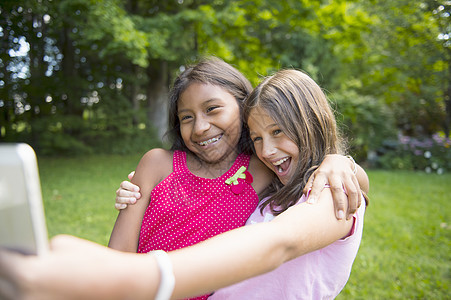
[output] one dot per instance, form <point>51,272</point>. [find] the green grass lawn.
<point>79,193</point>
<point>405,252</point>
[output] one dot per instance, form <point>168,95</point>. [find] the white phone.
<point>22,221</point>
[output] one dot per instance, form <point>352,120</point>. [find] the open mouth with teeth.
<point>210,141</point>
<point>282,164</point>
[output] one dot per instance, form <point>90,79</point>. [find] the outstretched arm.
<point>77,269</point>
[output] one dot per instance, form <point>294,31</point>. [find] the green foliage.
<point>107,25</point>
<point>407,63</point>
<point>58,135</point>
<point>98,70</point>
<point>364,121</point>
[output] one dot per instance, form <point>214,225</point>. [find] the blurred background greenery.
<point>92,76</point>
<point>85,82</point>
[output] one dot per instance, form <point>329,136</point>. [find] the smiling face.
<point>210,122</point>
<point>272,146</point>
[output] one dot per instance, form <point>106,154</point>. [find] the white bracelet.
<point>354,163</point>
<point>167,279</point>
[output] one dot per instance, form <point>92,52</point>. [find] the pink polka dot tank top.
<point>186,209</point>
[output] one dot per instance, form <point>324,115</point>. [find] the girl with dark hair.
<point>203,186</point>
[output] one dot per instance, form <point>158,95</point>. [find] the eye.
<point>277,132</point>
<point>256,139</point>
<point>184,118</point>
<point>211,108</point>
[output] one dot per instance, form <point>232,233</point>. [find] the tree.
<point>408,63</point>
<point>78,75</point>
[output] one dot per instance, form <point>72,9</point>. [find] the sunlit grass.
<point>405,252</point>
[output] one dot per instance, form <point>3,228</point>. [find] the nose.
<point>268,149</point>
<point>201,124</point>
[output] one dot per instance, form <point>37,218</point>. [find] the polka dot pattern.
<point>186,209</point>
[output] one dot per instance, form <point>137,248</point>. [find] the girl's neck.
<point>205,169</point>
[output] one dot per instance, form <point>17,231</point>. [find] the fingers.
<point>352,188</point>
<point>343,182</point>
<point>9,280</point>
<point>126,197</point>
<point>130,176</point>
<point>339,197</point>
<point>120,206</point>
<point>318,180</point>
<point>346,195</point>
<point>128,193</point>
<point>128,186</point>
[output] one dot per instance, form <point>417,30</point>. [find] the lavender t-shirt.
<point>321,274</point>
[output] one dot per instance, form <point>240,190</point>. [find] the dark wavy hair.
<point>214,71</point>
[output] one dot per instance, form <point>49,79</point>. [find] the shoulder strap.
<point>244,159</point>
<point>179,161</point>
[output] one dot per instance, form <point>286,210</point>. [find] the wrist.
<point>353,164</point>
<point>167,279</point>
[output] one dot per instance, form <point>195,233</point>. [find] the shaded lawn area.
<point>405,252</point>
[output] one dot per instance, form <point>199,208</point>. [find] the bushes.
<point>370,128</point>
<point>430,154</point>
<point>72,136</point>
<point>365,122</point>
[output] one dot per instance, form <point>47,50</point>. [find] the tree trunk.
<point>134,95</point>
<point>6,93</point>
<point>157,95</point>
<point>447,99</point>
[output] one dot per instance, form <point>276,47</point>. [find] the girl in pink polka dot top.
<point>208,183</point>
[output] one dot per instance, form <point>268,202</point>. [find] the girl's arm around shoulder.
<point>339,172</point>
<point>262,175</point>
<point>153,167</point>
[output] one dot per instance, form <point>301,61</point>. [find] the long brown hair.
<point>299,106</point>
<point>209,70</point>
